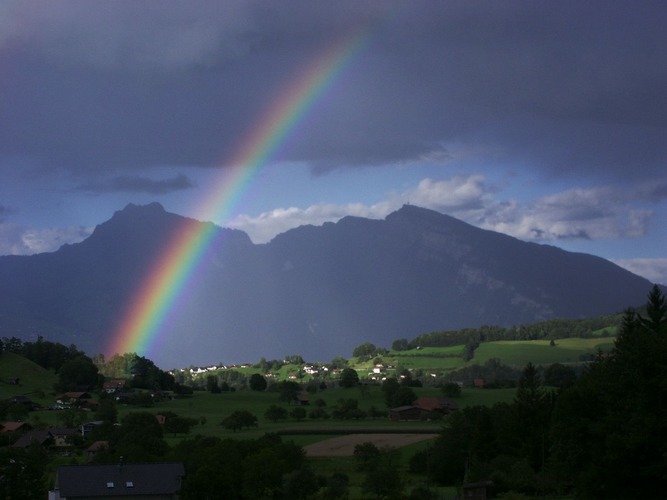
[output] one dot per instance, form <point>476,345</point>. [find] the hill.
<point>315,291</point>
<point>33,380</point>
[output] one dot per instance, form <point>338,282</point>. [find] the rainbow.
<point>175,269</point>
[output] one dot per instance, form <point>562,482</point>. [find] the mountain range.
<point>317,291</point>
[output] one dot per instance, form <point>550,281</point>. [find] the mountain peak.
<point>154,208</point>
<point>413,214</point>
<point>408,210</point>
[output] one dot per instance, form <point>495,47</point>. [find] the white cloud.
<point>458,193</point>
<point>593,213</point>
<point>654,270</point>
<point>18,240</point>
<point>266,225</point>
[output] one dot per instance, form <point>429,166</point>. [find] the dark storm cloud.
<point>567,87</point>
<point>656,191</point>
<point>4,212</point>
<point>138,184</point>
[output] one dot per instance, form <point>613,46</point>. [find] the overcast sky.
<point>543,120</point>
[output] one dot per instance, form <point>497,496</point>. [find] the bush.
<point>451,390</point>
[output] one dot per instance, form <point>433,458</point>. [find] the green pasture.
<point>34,381</point>
<point>515,353</point>
<point>607,331</point>
<point>484,397</point>
<point>210,409</point>
<point>539,352</point>
<point>428,358</point>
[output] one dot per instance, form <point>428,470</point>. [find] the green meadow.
<point>519,353</point>
<point>515,353</point>
<point>34,381</point>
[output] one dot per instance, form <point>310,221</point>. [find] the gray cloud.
<point>594,213</point>
<point>563,88</point>
<point>4,212</point>
<point>138,184</point>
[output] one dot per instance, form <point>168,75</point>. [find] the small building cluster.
<point>426,408</point>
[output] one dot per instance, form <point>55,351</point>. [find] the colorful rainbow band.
<point>157,298</point>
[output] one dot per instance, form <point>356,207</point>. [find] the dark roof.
<point>77,395</point>
<point>30,437</point>
<point>433,403</point>
<point>98,446</point>
<point>111,384</point>
<point>74,481</point>
<point>399,409</point>
<point>15,426</point>
<point>20,399</point>
<point>58,431</point>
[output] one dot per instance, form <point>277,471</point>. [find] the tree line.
<point>550,329</point>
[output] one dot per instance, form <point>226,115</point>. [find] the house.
<point>159,481</point>
<point>407,412</point>
<point>73,397</point>
<point>438,405</point>
<point>113,386</point>
<point>88,427</point>
<point>15,427</point>
<point>95,448</point>
<point>49,437</point>
<point>476,491</point>
<point>303,398</point>
<point>62,437</point>
<point>25,401</point>
<point>43,438</point>
<point>80,399</point>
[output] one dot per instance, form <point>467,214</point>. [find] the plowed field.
<point>343,446</point>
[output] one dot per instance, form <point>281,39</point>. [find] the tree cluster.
<point>244,469</point>
<point>145,375</point>
<point>382,477</point>
<point>49,355</point>
<point>603,435</point>
<point>368,350</point>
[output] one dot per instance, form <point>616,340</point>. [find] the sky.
<point>543,120</point>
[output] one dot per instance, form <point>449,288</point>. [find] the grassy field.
<point>429,358</point>
<point>513,353</point>
<point>34,381</point>
<point>539,352</point>
<point>210,409</point>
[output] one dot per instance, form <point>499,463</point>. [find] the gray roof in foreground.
<point>113,480</point>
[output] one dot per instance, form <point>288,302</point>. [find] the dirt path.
<point>343,446</point>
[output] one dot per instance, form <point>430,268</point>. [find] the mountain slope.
<point>315,291</point>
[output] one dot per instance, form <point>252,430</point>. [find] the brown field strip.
<point>343,446</point>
